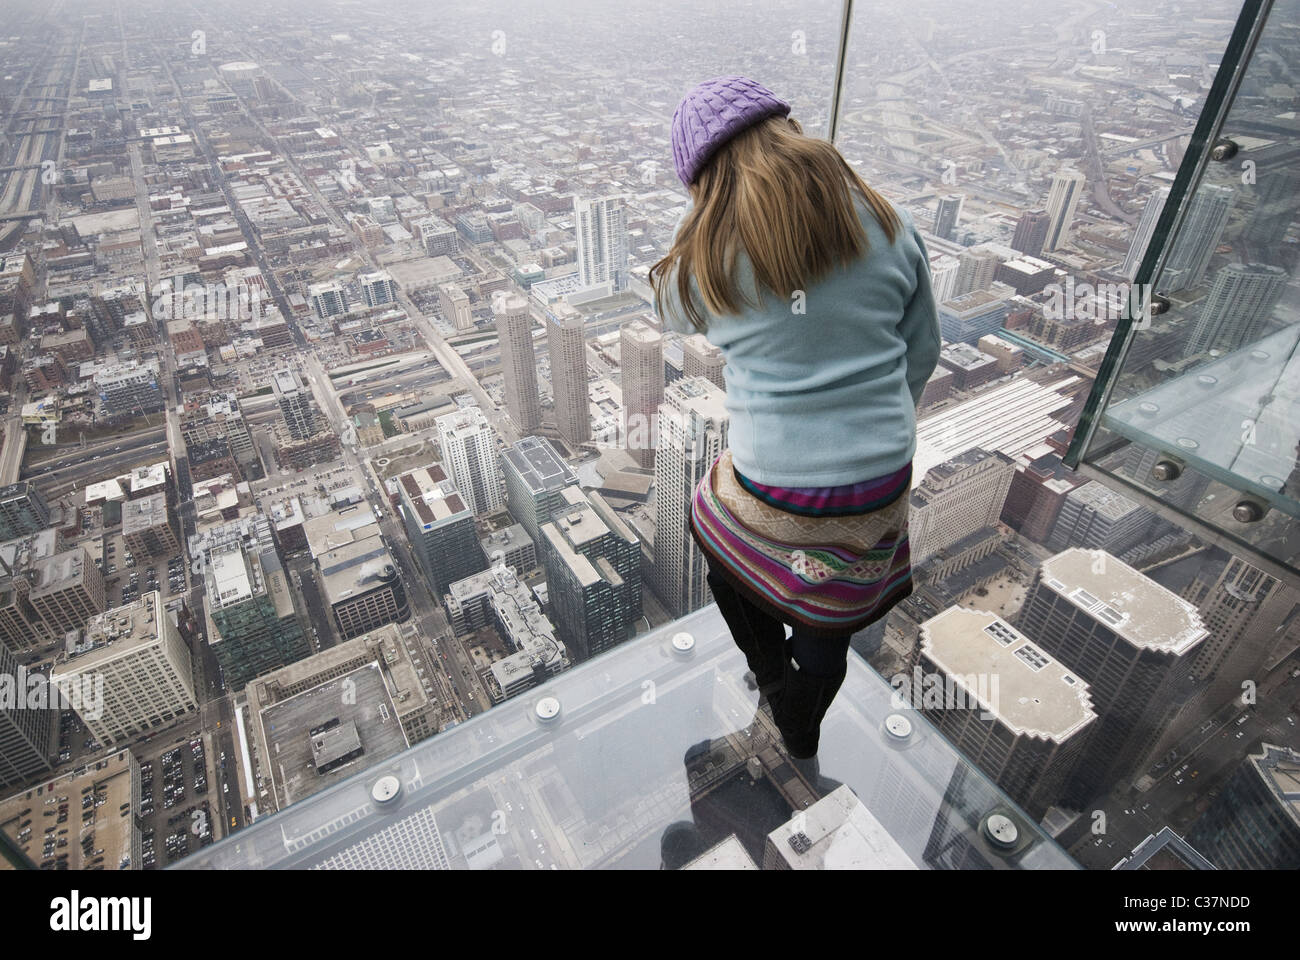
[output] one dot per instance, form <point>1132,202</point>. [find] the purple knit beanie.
<point>714,112</point>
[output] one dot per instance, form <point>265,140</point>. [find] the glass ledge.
<point>1232,419</point>
<point>591,770</point>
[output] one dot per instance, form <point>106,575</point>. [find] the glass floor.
<point>654,756</point>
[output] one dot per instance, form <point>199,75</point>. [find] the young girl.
<point>817,292</point>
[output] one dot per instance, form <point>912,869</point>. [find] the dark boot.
<point>802,704</point>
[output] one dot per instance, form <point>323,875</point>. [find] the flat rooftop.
<point>359,697</point>
<point>539,465</point>
<point>1132,605</point>
<point>1035,695</point>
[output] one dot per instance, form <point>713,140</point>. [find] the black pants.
<point>762,638</point>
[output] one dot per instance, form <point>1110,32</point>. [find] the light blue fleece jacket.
<point>827,397</point>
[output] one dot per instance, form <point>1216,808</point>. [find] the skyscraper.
<point>536,477</point>
<point>702,359</point>
<point>469,454</point>
<point>567,345</point>
<point>1131,640</point>
<point>295,403</point>
<point>514,325</point>
<point>602,242</point>
<point>440,527</point>
<point>254,627</point>
<point>946,215</point>
<point>593,572</point>
<point>1062,201</point>
<point>1142,235</point>
<point>1237,309</point>
<point>138,655</point>
<point>22,510</point>
<point>1189,254</point>
<point>693,429</point>
<point>957,498</point>
<point>25,734</point>
<point>641,353</point>
<point>1031,232</point>
<point>378,288</point>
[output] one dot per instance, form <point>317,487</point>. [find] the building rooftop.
<point>430,495</point>
<point>1132,605</point>
<point>144,513</point>
<point>539,465</point>
<point>1027,690</point>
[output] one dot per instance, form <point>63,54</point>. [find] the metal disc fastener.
<point>1001,831</point>
<point>547,709</point>
<point>898,726</point>
<point>386,789</point>
<point>683,642</point>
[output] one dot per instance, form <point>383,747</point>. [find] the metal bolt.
<point>1223,149</point>
<point>1247,511</point>
<point>1159,304</point>
<point>1166,470</point>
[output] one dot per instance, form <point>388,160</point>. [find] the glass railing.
<point>1196,411</point>
<point>656,755</point>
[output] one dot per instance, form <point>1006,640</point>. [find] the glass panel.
<point>658,757</point>
<point>1203,410</point>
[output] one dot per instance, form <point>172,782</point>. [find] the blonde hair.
<point>783,198</point>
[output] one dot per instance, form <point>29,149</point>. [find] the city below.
<point>336,414</point>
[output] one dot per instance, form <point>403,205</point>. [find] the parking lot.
<point>175,811</point>
<point>127,576</point>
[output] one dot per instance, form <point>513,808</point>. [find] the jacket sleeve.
<point>919,325</point>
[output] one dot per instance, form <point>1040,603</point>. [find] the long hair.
<point>787,201</point>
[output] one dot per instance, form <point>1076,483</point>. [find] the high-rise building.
<point>147,528</point>
<point>253,625</point>
<point>566,341</point>
<point>1130,639</point>
<point>641,360</point>
<point>958,498</point>
<point>440,526</point>
<point>438,236</point>
<point>360,582</point>
<point>1031,232</point>
<point>1020,714</point>
<point>602,242</point>
<point>328,299</point>
<point>536,477</point>
<point>1062,201</point>
<point>130,389</point>
<point>22,510</point>
<point>1253,823</point>
<point>378,288</point>
<point>26,734</point>
<point>1237,309</point>
<point>946,215</point>
<point>1188,257</point>
<point>469,452</point>
<point>454,304</point>
<point>514,323</point>
<point>593,574</point>
<point>1038,490</point>
<point>944,273</point>
<point>67,589</point>
<point>968,317</point>
<point>1137,248</point>
<point>1097,517</point>
<point>693,430</point>
<point>130,673</point>
<point>977,266</point>
<point>702,359</point>
<point>295,403</point>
